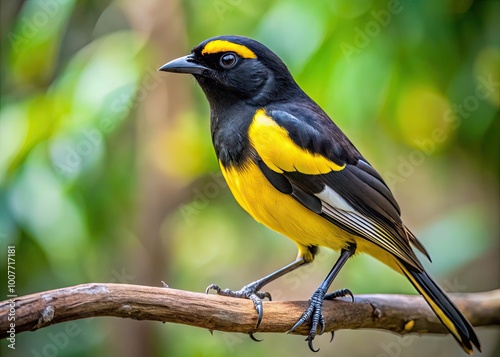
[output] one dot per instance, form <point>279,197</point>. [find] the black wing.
<point>354,198</point>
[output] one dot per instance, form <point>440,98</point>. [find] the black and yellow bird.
<point>292,169</point>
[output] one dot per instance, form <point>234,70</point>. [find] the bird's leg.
<point>314,312</point>
<point>251,291</point>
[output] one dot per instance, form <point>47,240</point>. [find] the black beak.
<point>184,64</point>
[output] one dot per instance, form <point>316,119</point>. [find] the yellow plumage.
<point>280,153</point>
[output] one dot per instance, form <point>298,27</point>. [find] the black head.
<point>234,69</point>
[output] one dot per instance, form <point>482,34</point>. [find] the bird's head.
<point>235,68</point>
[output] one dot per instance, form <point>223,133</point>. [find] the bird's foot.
<point>249,291</point>
<point>314,313</point>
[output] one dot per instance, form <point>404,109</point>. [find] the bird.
<point>292,169</point>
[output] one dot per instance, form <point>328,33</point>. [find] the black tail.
<point>444,308</point>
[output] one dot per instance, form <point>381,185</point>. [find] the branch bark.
<point>397,313</point>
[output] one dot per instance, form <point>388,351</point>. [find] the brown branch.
<point>386,312</point>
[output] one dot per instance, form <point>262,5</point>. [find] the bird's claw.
<point>257,304</point>
<point>310,344</point>
<point>340,293</point>
<point>254,338</point>
<point>213,287</point>
<point>250,292</point>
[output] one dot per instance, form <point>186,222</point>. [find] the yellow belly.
<point>281,212</point>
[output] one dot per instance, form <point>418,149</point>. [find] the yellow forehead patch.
<point>218,46</point>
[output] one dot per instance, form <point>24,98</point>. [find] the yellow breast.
<point>281,212</point>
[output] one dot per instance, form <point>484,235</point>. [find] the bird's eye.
<point>228,60</point>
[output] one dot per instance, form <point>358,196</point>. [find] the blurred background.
<point>107,172</point>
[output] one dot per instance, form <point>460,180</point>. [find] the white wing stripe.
<point>332,198</point>
<point>336,207</point>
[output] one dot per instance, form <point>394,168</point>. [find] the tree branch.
<point>386,312</point>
